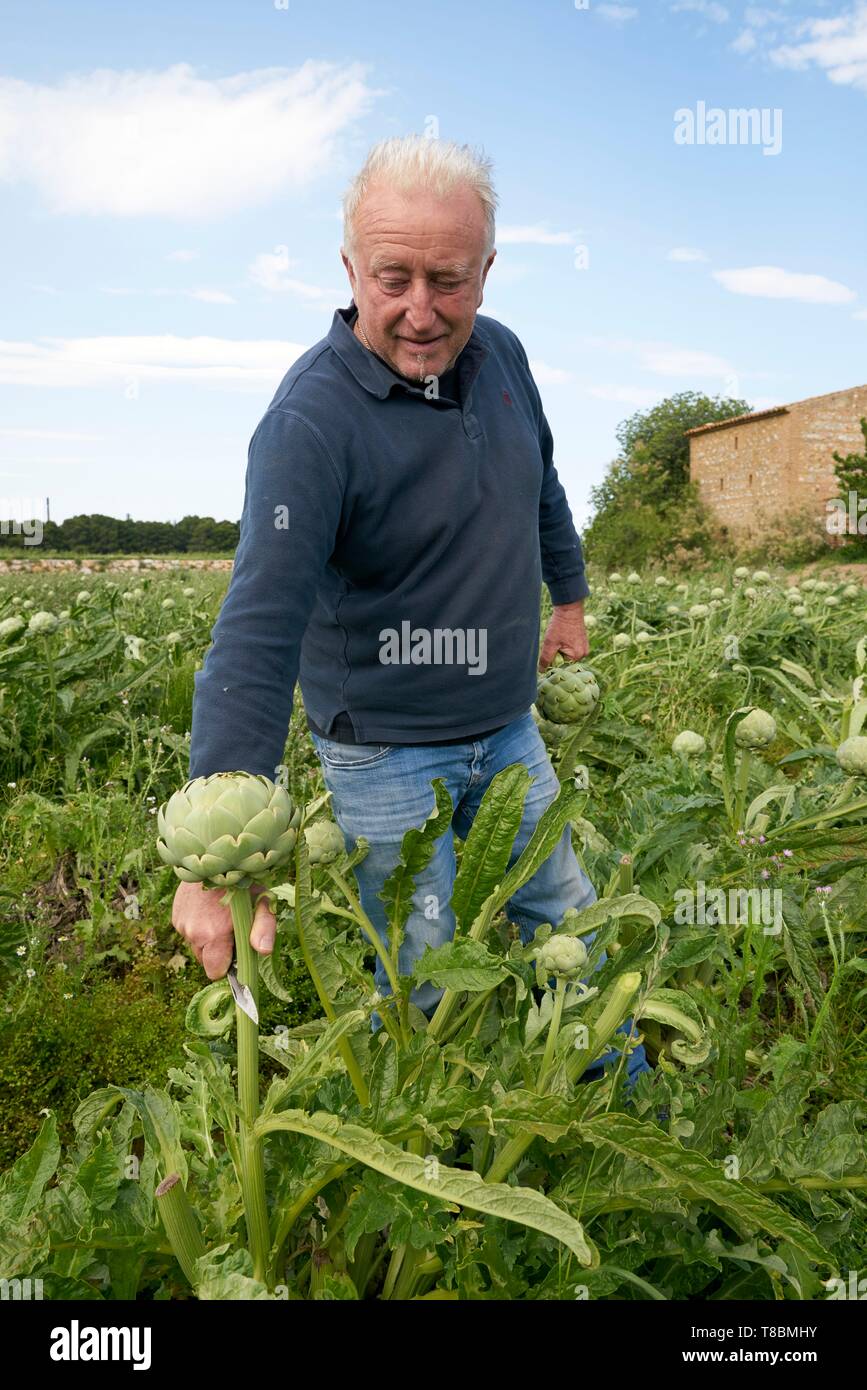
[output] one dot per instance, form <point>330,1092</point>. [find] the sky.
<point>171,177</point>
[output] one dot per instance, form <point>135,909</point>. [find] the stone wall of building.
<point>754,470</point>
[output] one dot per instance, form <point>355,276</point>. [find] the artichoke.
<point>621,640</point>
<point>757,730</point>
<point>761,577</point>
<point>42,622</point>
<point>567,694</point>
<point>11,627</point>
<point>699,610</point>
<point>324,842</point>
<point>562,956</point>
<point>552,734</point>
<point>852,755</point>
<point>228,829</point>
<point>742,572</point>
<point>689,743</point>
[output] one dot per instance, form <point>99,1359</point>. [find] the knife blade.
<point>241,994</point>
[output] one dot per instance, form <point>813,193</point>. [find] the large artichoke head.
<point>567,694</point>
<point>757,730</point>
<point>324,842</point>
<point>227,830</point>
<point>552,734</point>
<point>688,743</point>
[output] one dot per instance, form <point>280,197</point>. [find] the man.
<point>401,511</point>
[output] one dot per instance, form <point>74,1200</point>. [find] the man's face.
<point>417,276</point>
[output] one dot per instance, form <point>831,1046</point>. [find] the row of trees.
<point>105,535</point>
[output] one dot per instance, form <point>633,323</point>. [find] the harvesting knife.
<point>241,994</point>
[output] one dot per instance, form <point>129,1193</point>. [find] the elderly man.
<point>401,511</point>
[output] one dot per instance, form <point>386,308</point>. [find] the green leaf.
<point>416,849</point>
<point>463,964</point>
<point>521,1205</point>
<point>160,1122</point>
<point>686,1171</point>
<point>488,846</point>
<point>22,1186</point>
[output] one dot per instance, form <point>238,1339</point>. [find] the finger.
<point>264,929</point>
<point>217,957</point>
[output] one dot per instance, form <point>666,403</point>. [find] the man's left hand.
<point>565,633</point>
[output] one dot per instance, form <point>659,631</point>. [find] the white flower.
<point>30,973</point>
<point>21,950</point>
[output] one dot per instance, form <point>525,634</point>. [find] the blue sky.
<point>171,177</point>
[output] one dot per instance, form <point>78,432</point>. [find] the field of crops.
<point>157,1145</point>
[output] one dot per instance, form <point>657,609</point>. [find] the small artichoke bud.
<point>757,730</point>
<point>689,743</point>
<point>324,842</point>
<point>563,956</point>
<point>852,756</point>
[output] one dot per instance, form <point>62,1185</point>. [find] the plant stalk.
<point>252,1157</point>
<point>181,1227</point>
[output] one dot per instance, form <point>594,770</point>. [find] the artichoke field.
<point>712,771</point>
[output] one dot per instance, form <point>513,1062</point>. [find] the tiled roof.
<point>739,420</point>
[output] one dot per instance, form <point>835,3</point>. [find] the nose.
<point>420,315</point>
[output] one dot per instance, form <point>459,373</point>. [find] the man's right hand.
<point>202,919</point>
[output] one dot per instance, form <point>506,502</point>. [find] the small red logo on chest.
<point>507,398</point>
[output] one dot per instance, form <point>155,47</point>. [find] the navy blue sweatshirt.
<point>392,551</point>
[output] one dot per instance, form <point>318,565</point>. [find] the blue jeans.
<point>382,790</point>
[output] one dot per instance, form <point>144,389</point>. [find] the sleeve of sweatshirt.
<point>293,499</point>
<point>562,554</point>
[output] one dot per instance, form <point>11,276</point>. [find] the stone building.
<point>752,469</point>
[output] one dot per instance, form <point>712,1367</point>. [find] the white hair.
<point>412,162</point>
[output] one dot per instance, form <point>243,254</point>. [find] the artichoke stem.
<point>181,1226</point>
<point>252,1161</point>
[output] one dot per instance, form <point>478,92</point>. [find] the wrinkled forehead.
<point>396,230</point>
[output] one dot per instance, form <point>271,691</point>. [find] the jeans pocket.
<point>346,756</point>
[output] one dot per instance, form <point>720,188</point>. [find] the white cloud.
<point>173,144</point>
<point>666,358</point>
<point>709,8</point>
<point>182,256</point>
<point>674,361</point>
<point>537,235</point>
<point>745,42</point>
<point>85,362</point>
<point>772,282</point>
<point>549,376</point>
<point>616,14</point>
<point>757,17</point>
<point>269,271</point>
<point>860,314</point>
<point>207,296</point>
<point>837,46</point>
<point>686,254</point>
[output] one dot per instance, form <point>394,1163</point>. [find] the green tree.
<point>646,503</point>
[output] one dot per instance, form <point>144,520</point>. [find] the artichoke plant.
<point>225,831</point>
